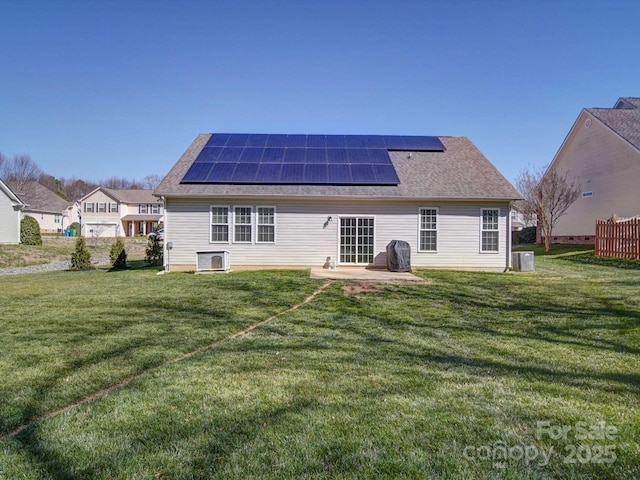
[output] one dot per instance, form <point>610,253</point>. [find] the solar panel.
<point>196,172</point>
<point>257,140</point>
<point>209,154</point>
<point>221,173</point>
<point>245,173</point>
<point>303,159</point>
<point>251,155</point>
<point>269,172</point>
<point>292,173</point>
<point>277,141</point>
<point>297,141</point>
<point>237,140</point>
<point>315,173</point>
<point>295,155</point>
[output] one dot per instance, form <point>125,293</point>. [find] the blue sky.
<point>95,89</point>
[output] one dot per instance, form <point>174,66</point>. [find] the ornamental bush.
<point>118,256</point>
<point>154,251</point>
<point>81,257</point>
<point>30,231</point>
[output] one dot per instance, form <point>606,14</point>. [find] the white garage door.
<point>100,230</point>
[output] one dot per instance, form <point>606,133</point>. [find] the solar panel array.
<point>303,159</point>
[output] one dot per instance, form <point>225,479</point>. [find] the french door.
<point>356,240</point>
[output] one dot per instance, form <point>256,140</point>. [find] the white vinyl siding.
<point>266,225</point>
<point>306,237</point>
<point>490,231</point>
<point>9,220</point>
<point>428,230</point>
<point>219,224</point>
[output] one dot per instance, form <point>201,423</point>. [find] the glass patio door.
<point>356,240</point>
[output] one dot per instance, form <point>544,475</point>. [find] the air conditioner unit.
<point>522,261</point>
<point>213,261</point>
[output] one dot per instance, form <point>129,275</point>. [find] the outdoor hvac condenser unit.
<point>522,261</point>
<point>214,261</point>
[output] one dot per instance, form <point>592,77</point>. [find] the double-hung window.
<point>143,208</point>
<point>428,230</point>
<point>220,224</point>
<point>490,235</point>
<point>88,207</point>
<point>155,208</point>
<point>242,225</point>
<point>266,225</point>
<point>113,207</point>
<point>102,207</point>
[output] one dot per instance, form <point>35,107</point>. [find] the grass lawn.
<point>473,375</point>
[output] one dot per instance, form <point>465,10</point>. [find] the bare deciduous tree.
<point>20,170</point>
<point>547,196</point>
<point>151,182</point>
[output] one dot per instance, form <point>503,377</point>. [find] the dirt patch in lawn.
<point>359,289</point>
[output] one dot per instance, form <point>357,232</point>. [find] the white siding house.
<point>602,153</point>
<point>451,206</point>
<point>52,213</point>
<point>120,213</point>
<point>10,207</point>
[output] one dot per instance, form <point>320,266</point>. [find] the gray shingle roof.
<point>39,198</point>
<point>461,172</point>
<point>624,120</point>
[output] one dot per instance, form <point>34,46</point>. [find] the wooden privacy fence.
<point>618,239</point>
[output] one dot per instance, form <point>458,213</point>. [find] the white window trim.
<point>102,205</point>
<point>250,224</point>
<point>275,222</point>
<point>86,207</point>
<point>437,209</point>
<point>113,210</point>
<point>482,210</point>
<point>229,224</point>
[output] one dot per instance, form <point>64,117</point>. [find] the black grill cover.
<point>398,256</point>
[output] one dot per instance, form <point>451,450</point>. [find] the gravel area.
<point>47,267</point>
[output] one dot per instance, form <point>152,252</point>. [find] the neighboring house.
<point>519,220</point>
<point>52,213</point>
<point>312,200</point>
<point>10,215</point>
<point>602,153</point>
<point>120,213</point>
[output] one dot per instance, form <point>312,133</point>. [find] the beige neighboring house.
<point>120,213</point>
<point>602,153</point>
<point>322,200</point>
<point>52,213</point>
<point>10,214</point>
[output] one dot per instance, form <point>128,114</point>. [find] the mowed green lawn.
<point>468,375</point>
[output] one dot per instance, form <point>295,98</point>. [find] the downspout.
<point>509,239</point>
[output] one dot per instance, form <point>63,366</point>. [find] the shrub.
<point>527,235</point>
<point>81,257</point>
<point>154,251</point>
<point>118,255</point>
<point>30,231</point>
<point>75,226</point>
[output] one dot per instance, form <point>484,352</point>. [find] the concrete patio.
<point>361,273</point>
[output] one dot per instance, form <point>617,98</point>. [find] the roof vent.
<point>587,123</point>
